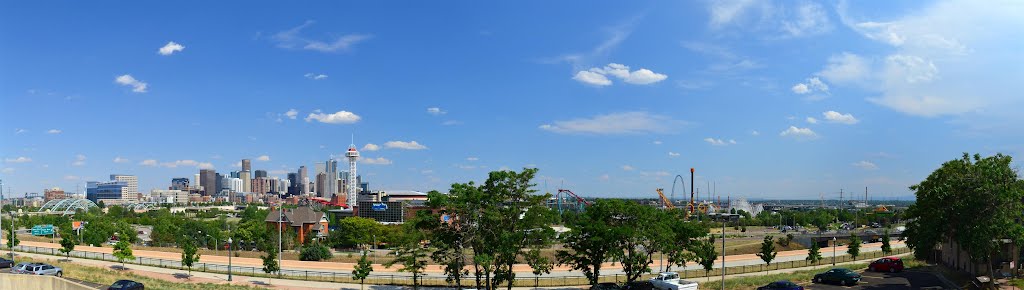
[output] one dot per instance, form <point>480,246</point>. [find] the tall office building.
<point>302,182</point>
<point>293,179</point>
<point>109,192</point>
<point>260,173</point>
<point>331,182</point>
<point>208,179</point>
<point>180,183</point>
<point>246,165</point>
<point>130,192</point>
<point>246,181</point>
<point>232,184</point>
<point>321,184</point>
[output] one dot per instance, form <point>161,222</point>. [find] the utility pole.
<point>280,251</point>
<point>2,213</point>
<point>723,249</point>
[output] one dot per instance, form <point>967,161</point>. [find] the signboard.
<point>42,230</point>
<point>76,225</point>
<point>380,207</point>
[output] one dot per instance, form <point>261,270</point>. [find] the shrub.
<point>316,252</point>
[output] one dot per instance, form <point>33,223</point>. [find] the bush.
<point>316,252</point>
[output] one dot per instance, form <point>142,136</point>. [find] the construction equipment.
<point>665,202</point>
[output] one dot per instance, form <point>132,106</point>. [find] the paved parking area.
<point>909,279</point>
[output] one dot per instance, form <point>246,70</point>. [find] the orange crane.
<point>664,200</point>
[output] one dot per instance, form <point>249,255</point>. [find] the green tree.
<point>814,253</point>
<point>886,248</point>
<point>362,270</point>
<point>189,255</point>
<point>123,251</point>
<point>706,255</point>
<point>854,248</point>
<point>988,188</point>
<point>355,232</point>
<point>67,244</point>
<point>591,239</point>
<point>642,231</point>
<point>514,219</point>
<point>767,253</point>
<point>539,264</point>
<point>270,264</point>
<point>454,227</point>
<point>12,239</point>
<point>412,257</point>
<point>684,237</point>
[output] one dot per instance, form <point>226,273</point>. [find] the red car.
<point>887,264</point>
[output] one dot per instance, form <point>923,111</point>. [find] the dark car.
<point>887,264</point>
<point>839,276</point>
<point>784,284</point>
<point>5,263</point>
<point>126,285</point>
<point>606,286</point>
<point>639,285</point>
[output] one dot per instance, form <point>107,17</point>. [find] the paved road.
<point>910,279</point>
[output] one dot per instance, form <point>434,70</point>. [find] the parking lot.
<point>909,279</point>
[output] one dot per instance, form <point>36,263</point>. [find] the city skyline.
<point>764,99</point>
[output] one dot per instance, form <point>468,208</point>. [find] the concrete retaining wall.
<point>22,281</point>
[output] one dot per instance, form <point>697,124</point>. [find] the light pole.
<point>229,259</point>
<point>723,251</point>
<point>280,251</point>
<point>833,251</point>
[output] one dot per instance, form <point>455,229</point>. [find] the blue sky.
<point>772,99</point>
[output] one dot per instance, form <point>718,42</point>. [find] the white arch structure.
<point>66,206</point>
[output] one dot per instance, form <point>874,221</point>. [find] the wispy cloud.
<point>375,161</point>
<point>796,132</point>
<point>779,20</point>
<point>719,142</point>
<point>436,111</point>
<point>20,159</point>
<point>406,145</point>
<point>263,158</point>
<point>371,147</point>
<point>673,154</point>
<point>292,39</point>
<point>616,123</point>
<point>866,165</point>
<point>127,80</point>
<point>837,117</point>
<point>170,48</point>
<point>291,114</point>
<point>118,159</point>
<point>54,131</point>
<point>79,160</point>
<point>315,77</point>
<point>339,117</point>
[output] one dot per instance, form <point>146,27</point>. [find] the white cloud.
<point>592,78</point>
<point>616,123</point>
<point>472,159</point>
<point>801,88</point>
<point>755,133</point>
<point>375,161</point>
<point>291,39</point>
<point>340,117</point>
<point>598,76</point>
<point>72,177</point>
<point>263,158</point>
<point>451,123</point>
<point>809,19</point>
<point>118,159</point>
<point>628,168</point>
<point>846,68</point>
<point>205,165</point>
<point>812,85</point>
<point>436,111</point>
<point>170,48</point>
<point>837,117</point>
<point>54,131</point>
<point>865,165</point>
<point>673,154</point>
<point>812,120</point>
<point>278,172</point>
<point>370,147</point>
<point>957,41</point>
<point>724,12</point>
<point>656,142</point>
<point>315,77</point>
<point>779,19</point>
<point>79,160</point>
<point>148,162</point>
<point>176,163</point>
<point>411,145</point>
<point>604,177</point>
<point>7,170</point>
<point>127,80</point>
<point>291,114</point>
<point>719,142</point>
<point>798,132</point>
<point>19,131</point>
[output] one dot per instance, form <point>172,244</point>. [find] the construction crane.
<point>664,200</point>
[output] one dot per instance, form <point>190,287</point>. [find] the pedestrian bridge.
<point>65,206</point>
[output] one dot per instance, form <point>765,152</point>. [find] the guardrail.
<point>440,280</point>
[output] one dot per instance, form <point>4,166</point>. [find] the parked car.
<point>44,269</point>
<point>5,263</point>
<point>20,267</point>
<point>126,285</point>
<point>838,275</point>
<point>639,285</point>
<point>781,285</point>
<point>606,286</point>
<point>887,264</point>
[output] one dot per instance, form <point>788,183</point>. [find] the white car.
<point>671,281</point>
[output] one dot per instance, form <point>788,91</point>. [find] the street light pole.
<point>723,252</point>
<point>229,259</point>
<point>834,251</point>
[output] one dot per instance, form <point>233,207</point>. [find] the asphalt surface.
<point>910,279</point>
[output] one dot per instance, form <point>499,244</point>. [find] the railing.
<point>434,279</point>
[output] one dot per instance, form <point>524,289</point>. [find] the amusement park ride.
<point>568,200</point>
